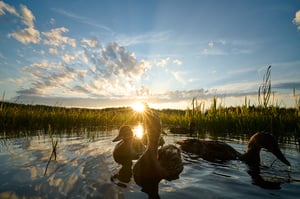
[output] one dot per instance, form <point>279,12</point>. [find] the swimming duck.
<point>126,151</point>
<point>156,164</point>
<point>220,151</point>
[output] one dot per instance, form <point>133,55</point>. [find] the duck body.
<point>156,164</point>
<point>209,149</point>
<point>220,151</point>
<point>125,151</point>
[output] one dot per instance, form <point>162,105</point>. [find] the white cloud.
<point>26,35</point>
<point>68,58</point>
<point>163,62</point>
<point>210,44</point>
<point>111,71</point>
<point>52,21</point>
<point>177,62</point>
<point>178,76</point>
<point>7,8</point>
<point>143,91</point>
<point>27,16</point>
<point>116,60</point>
<point>55,38</point>
<point>85,58</point>
<point>53,51</point>
<point>296,20</point>
<point>91,42</point>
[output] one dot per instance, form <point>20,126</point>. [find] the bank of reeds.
<point>245,119</point>
<point>16,118</point>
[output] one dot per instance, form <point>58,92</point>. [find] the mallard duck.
<point>156,164</point>
<point>220,151</point>
<point>125,151</point>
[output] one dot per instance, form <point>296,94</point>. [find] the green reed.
<point>54,148</point>
<point>241,119</point>
<point>29,118</point>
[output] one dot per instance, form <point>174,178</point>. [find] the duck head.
<point>125,133</point>
<point>262,140</point>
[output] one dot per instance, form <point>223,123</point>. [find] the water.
<point>84,167</point>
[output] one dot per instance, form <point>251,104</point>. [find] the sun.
<point>138,131</point>
<point>138,107</point>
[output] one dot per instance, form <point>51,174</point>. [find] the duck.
<point>216,151</point>
<point>125,151</point>
<point>156,163</point>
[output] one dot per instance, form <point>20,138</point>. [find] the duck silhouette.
<point>125,151</point>
<point>219,151</point>
<point>156,164</point>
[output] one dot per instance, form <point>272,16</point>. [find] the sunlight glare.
<point>138,107</point>
<point>138,131</point>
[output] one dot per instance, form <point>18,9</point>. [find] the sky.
<point>98,53</point>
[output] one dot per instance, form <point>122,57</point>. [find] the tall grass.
<point>16,118</point>
<point>29,118</point>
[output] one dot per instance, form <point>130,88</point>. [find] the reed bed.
<point>16,118</point>
<point>28,119</point>
<point>219,120</point>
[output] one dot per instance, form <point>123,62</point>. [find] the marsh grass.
<point>16,118</point>
<point>54,148</point>
<point>217,120</point>
<point>30,119</point>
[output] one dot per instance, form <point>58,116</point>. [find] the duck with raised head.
<point>219,151</point>
<point>156,164</point>
<point>126,151</point>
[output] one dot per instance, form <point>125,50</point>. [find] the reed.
<point>54,146</point>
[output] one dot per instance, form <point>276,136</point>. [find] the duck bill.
<point>281,157</point>
<point>118,138</point>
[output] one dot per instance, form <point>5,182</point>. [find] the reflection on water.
<point>84,168</point>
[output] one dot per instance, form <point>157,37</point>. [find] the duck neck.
<point>152,147</point>
<point>128,140</point>
<point>252,156</point>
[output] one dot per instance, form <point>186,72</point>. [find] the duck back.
<point>209,149</point>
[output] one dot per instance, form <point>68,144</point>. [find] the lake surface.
<point>84,167</point>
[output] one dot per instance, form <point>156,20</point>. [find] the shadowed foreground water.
<point>84,167</point>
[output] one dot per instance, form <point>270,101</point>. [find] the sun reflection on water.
<point>138,131</point>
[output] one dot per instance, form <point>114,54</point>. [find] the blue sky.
<point>111,53</point>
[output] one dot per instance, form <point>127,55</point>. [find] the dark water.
<point>84,167</point>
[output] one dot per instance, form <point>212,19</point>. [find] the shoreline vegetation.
<point>21,119</point>
<point>17,119</point>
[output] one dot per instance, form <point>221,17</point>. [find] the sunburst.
<point>138,107</point>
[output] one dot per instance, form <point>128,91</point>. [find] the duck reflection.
<point>258,180</point>
<point>156,164</point>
